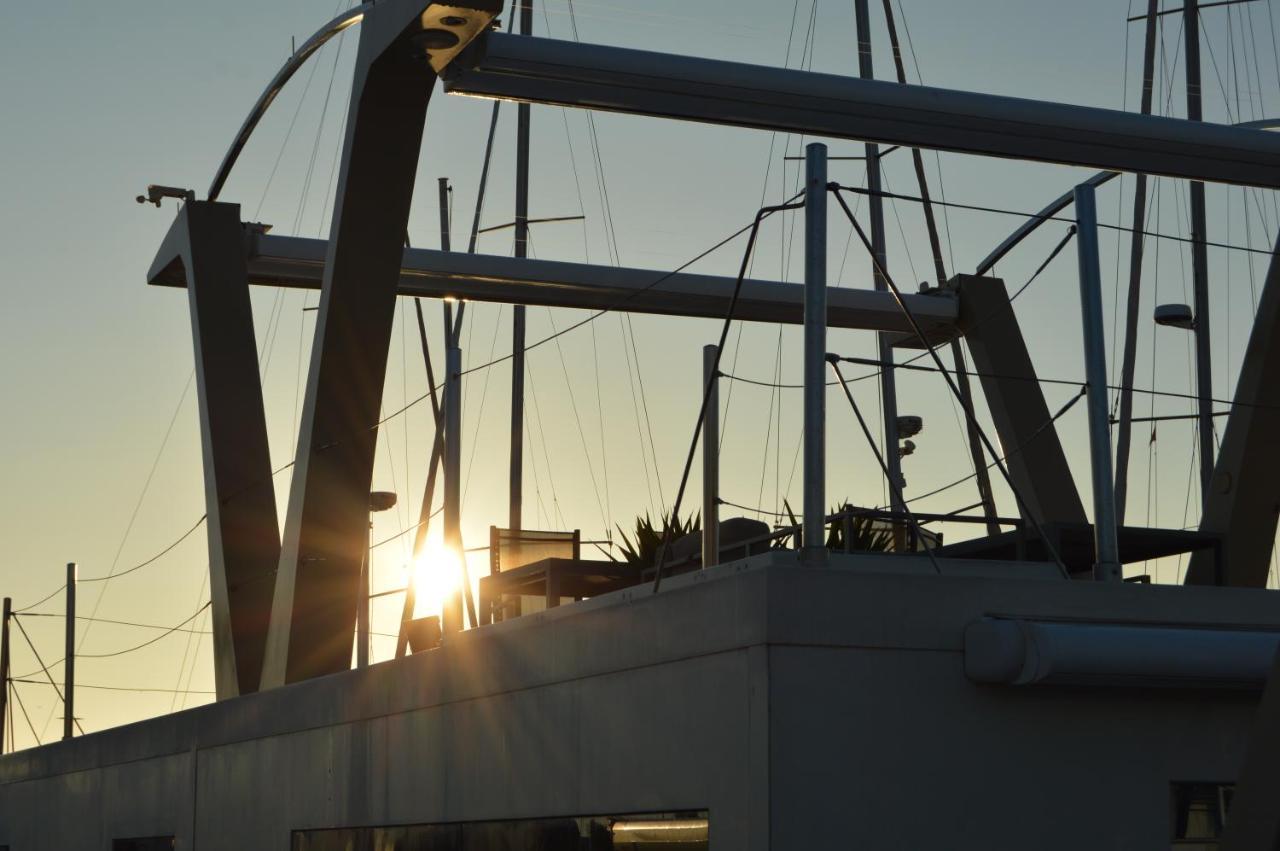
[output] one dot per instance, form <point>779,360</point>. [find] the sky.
<point>99,438</point>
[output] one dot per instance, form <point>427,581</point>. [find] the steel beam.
<point>297,262</point>
<point>544,70</point>
<point>204,249</point>
<point>314,608</point>
<point>1243,502</point>
<point>1038,466</point>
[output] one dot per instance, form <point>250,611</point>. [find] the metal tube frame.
<point>1107,567</point>
<point>451,617</point>
<point>566,73</point>
<point>711,458</point>
<point>813,535</point>
<point>69,662</point>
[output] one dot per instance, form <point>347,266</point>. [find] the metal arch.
<point>1030,225</point>
<point>1063,201</point>
<point>346,20</point>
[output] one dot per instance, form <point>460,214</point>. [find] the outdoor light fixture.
<point>1175,316</point>
<point>381,501</point>
<point>910,426</point>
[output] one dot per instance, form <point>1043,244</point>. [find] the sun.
<point>437,575</point>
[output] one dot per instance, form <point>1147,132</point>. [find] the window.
<point>1199,814</point>
<point>652,832</point>
<point>144,843</point>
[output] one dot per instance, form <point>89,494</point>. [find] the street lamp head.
<point>381,501</point>
<point>1175,316</point>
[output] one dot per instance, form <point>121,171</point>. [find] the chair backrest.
<point>512,548</point>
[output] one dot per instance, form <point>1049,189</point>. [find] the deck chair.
<point>512,548</point>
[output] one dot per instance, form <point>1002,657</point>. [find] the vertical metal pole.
<point>445,221</point>
<point>451,327</point>
<point>981,477</point>
<point>813,530</point>
<point>362,613</point>
<point>1107,567</point>
<point>1129,361</point>
<point>4,667</point>
<point>1199,259</point>
<point>69,666</point>
<point>875,202</point>
<point>451,620</point>
<point>710,460</point>
<point>518,314</point>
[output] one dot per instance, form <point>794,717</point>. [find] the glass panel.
<point>651,832</point>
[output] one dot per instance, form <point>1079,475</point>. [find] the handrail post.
<point>451,615</point>
<point>4,667</point>
<point>813,532</point>
<point>710,460</point>
<point>69,666</point>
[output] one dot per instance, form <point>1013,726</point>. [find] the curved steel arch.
<point>1063,201</point>
<point>345,21</point>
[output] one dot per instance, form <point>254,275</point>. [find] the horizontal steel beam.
<point>297,262</point>
<point>544,70</point>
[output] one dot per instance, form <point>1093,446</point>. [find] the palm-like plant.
<point>643,548</point>
<point>866,534</point>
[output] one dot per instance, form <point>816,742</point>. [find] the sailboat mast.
<point>888,380</point>
<point>518,315</point>
<point>1135,279</point>
<point>1199,258</point>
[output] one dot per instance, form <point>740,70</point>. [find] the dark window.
<point>652,832</point>
<point>1199,814</point>
<point>143,843</point>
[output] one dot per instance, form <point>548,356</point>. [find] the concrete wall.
<point>803,708</point>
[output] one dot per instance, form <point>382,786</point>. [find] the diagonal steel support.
<point>1039,468</point>
<point>313,613</point>
<point>1244,496</point>
<point>206,244</point>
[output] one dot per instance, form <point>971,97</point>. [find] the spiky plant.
<point>643,548</point>
<point>865,534</point>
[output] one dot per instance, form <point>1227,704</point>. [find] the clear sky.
<point>99,456</point>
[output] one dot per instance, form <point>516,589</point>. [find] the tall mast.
<point>1135,280</point>
<point>888,380</point>
<point>1199,258</point>
<point>518,315</point>
<point>957,353</point>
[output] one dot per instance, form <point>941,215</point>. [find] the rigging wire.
<point>45,669</point>
<point>149,642</point>
<point>955,391</point>
<point>61,616</point>
<point>110,576</point>
<point>919,539</point>
<point>664,552</point>
<point>13,691</point>
<point>982,208</point>
<point>1047,424</point>
<point>121,688</point>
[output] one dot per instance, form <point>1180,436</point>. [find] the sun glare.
<point>437,574</point>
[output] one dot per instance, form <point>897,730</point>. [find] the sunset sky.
<point>99,456</point>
